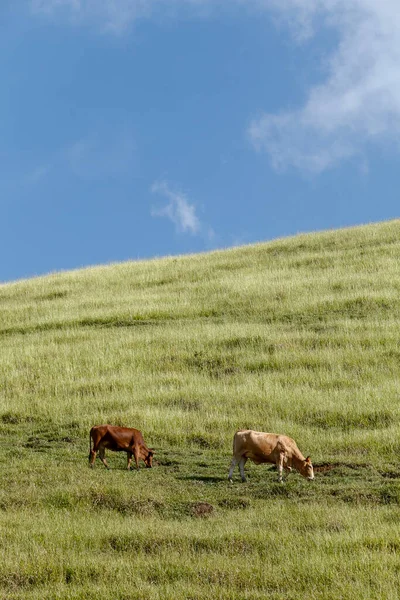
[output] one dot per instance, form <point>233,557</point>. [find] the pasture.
<point>299,336</point>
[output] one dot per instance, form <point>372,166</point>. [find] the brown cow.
<point>120,439</point>
<point>268,448</point>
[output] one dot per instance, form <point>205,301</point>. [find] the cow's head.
<point>148,460</point>
<point>307,469</point>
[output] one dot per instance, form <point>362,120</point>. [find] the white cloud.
<point>178,209</point>
<point>358,103</point>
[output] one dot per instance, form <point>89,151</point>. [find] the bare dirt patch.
<point>201,509</point>
<point>325,467</point>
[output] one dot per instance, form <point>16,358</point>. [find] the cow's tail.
<point>234,444</point>
<point>90,444</point>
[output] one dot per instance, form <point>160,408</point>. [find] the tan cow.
<point>120,439</point>
<point>268,448</point>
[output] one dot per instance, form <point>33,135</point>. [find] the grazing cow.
<point>120,439</point>
<point>268,448</point>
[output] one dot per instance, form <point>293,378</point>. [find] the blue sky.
<point>138,128</point>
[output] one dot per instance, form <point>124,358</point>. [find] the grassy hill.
<point>298,336</point>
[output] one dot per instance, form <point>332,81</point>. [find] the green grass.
<point>298,336</point>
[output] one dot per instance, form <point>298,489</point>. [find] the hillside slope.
<point>299,335</point>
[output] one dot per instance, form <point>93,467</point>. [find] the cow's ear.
<point>308,459</point>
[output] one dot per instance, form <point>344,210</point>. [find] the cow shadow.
<point>204,478</point>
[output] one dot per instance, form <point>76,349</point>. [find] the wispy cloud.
<point>38,174</point>
<point>116,15</point>
<point>178,209</point>
<point>358,103</point>
<point>102,154</point>
<point>108,15</point>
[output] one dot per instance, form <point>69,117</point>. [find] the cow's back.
<point>260,446</point>
<point>247,442</point>
<point>115,436</point>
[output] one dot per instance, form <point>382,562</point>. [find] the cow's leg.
<point>129,454</point>
<point>288,465</point>
<point>136,456</point>
<point>102,455</point>
<point>92,458</point>
<point>233,465</point>
<point>242,462</point>
<point>279,464</point>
